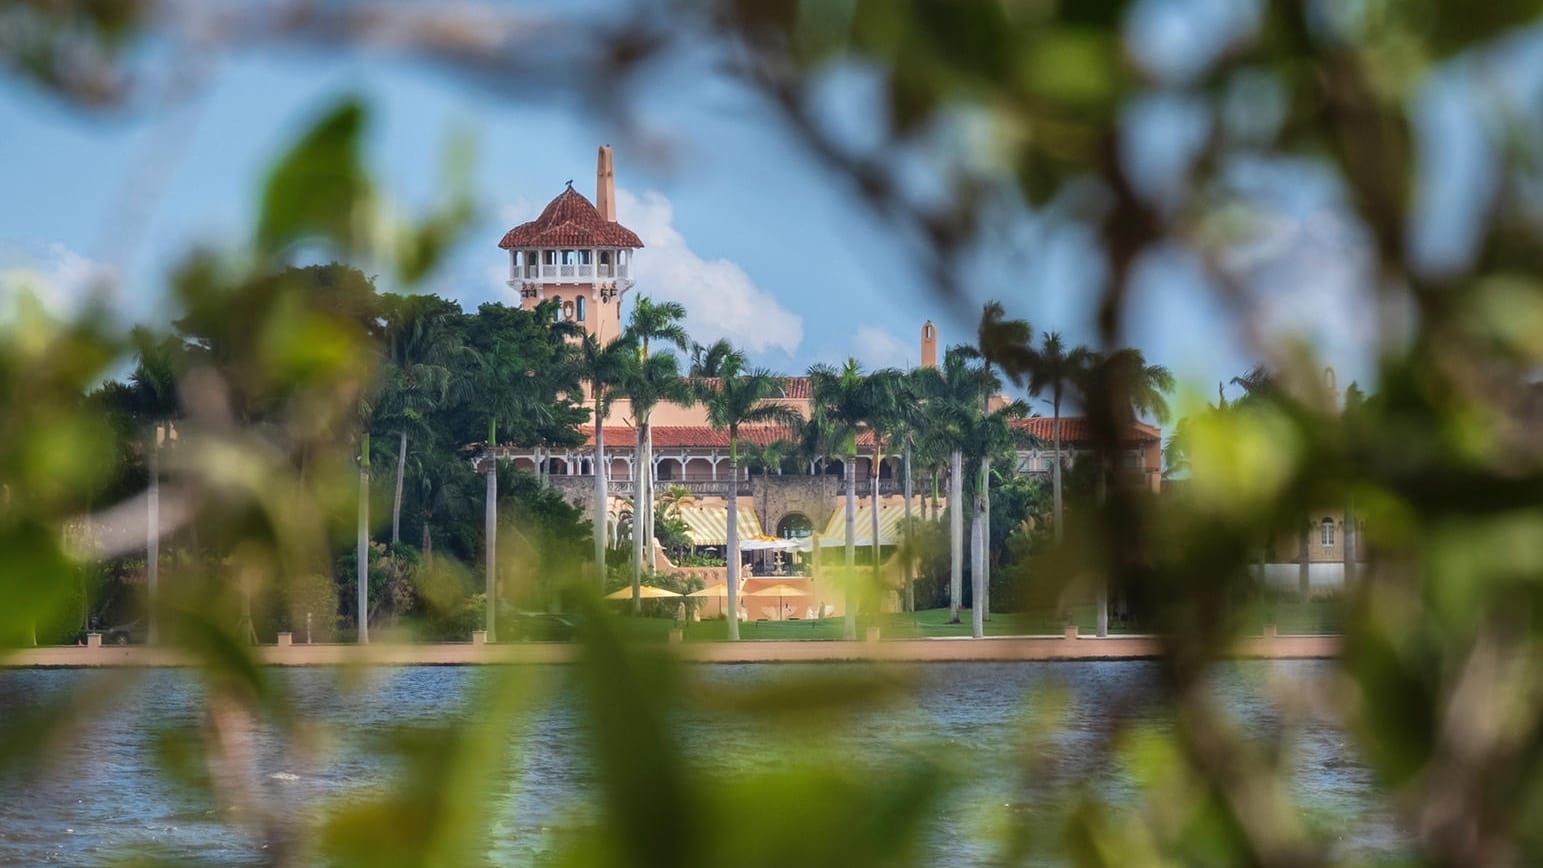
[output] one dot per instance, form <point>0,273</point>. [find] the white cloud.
<point>876,347</point>
<point>720,298</point>
<point>62,279</point>
<point>1311,278</point>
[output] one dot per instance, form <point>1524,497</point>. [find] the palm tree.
<point>905,424</point>
<point>603,367</point>
<point>982,437</point>
<point>152,400</point>
<point>735,399</point>
<point>1125,387</point>
<point>1142,387</point>
<point>652,321</point>
<point>953,399</point>
<point>362,555</point>
<point>421,346</point>
<point>1007,344</point>
<point>767,457</point>
<point>647,383</point>
<point>888,412</point>
<point>505,393</point>
<point>707,361</point>
<point>842,403</point>
<point>1004,343</point>
<point>1054,369</point>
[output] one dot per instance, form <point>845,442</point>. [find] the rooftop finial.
<point>570,183</point>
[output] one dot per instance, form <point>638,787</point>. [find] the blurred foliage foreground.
<point>1439,682</point>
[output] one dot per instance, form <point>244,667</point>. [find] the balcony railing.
<point>570,271</point>
<point>623,487</point>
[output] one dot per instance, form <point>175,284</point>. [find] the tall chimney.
<point>929,345</point>
<point>605,185</point>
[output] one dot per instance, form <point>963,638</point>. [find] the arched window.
<point>795,526</point>
<point>578,306</point>
<point>1326,531</point>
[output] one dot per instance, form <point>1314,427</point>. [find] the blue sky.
<point>759,241</point>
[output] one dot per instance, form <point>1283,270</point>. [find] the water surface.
<point>102,795</point>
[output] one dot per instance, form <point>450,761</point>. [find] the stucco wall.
<point>778,496</point>
<point>1285,547</point>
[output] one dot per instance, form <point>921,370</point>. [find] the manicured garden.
<point>1290,617</point>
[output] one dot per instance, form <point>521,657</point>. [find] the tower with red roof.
<point>577,255</point>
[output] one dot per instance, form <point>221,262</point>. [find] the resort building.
<point>578,254</point>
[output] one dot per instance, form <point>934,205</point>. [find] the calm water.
<point>102,798</point>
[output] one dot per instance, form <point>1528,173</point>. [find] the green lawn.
<point>1290,617</point>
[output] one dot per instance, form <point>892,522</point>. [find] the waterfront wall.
<point>1001,648</point>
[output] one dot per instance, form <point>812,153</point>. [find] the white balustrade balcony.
<point>570,272</point>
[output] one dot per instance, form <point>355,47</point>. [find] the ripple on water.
<point>101,798</point>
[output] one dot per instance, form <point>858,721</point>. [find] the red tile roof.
<point>795,388</point>
<point>570,221</point>
<point>1075,429</point>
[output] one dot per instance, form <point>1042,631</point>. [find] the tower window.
<point>568,257</point>
<point>549,257</point>
<point>1326,532</point>
<point>584,257</point>
<point>578,306</point>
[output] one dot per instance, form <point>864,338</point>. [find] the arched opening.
<point>795,525</point>
<point>670,469</point>
<point>1326,532</point>
<point>886,470</point>
<point>700,470</point>
<point>835,467</point>
<point>556,467</point>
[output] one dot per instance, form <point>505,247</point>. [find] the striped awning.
<point>890,519</point>
<point>709,525</point>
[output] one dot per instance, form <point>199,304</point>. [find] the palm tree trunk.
<point>985,538</point>
<point>1101,601</point>
<point>246,629</point>
<point>978,567</point>
<point>1304,582</point>
<point>731,553</point>
<point>599,494</point>
<point>152,535</point>
<point>363,563</point>
<point>490,535</point>
<point>639,517</point>
<point>396,504</point>
<point>878,452</point>
<point>648,500</point>
<point>1349,542</point>
<point>428,542</point>
<point>1055,474</point>
<point>849,625</point>
<point>955,534</point>
<point>910,578</point>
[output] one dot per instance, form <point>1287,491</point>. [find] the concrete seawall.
<point>998,648</point>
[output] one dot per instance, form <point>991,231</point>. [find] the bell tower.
<point>576,255</point>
